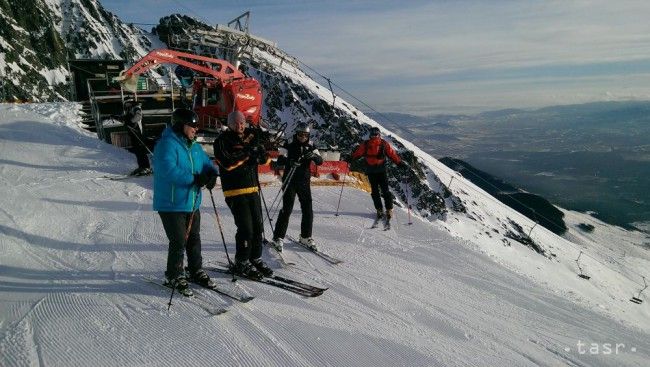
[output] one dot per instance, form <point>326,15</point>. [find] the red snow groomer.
<point>218,87</point>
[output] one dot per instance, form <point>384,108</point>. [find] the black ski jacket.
<point>238,158</point>
<point>299,154</point>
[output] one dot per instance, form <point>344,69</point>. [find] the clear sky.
<point>425,57</point>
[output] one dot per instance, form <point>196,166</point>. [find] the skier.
<point>238,153</point>
<point>181,168</point>
<point>297,157</point>
<point>140,145</point>
<point>375,150</point>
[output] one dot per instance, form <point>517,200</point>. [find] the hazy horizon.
<point>589,157</point>
<point>427,57</point>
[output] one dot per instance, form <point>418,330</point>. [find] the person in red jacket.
<point>375,150</point>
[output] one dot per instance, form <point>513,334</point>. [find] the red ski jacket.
<point>375,150</point>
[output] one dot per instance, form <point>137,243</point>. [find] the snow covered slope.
<point>615,259</point>
<point>75,247</point>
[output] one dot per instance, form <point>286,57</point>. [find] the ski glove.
<point>202,179</point>
<point>307,156</point>
<point>212,181</point>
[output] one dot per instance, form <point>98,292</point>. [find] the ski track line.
<point>334,334</point>
<point>18,339</point>
<point>156,326</point>
<point>359,287</point>
<point>562,357</point>
<point>11,217</point>
<point>284,334</point>
<point>57,312</point>
<point>282,353</point>
<point>123,313</point>
<point>47,258</point>
<point>376,281</point>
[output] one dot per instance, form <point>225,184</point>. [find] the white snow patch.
<point>75,247</point>
<point>55,76</point>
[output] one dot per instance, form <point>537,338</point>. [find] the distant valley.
<point>592,157</point>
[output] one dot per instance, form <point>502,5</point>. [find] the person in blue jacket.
<point>181,169</point>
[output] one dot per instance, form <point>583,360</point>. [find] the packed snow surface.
<point>76,246</point>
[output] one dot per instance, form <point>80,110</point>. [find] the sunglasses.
<point>303,135</point>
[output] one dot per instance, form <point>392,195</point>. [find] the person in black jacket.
<point>296,180</point>
<point>238,151</point>
<point>140,145</point>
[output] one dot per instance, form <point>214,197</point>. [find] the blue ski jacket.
<point>175,162</point>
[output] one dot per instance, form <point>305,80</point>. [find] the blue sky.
<point>426,57</point>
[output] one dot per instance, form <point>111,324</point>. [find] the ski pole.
<point>268,215</point>
<point>408,205</point>
<point>283,188</point>
<point>285,183</point>
<point>216,214</point>
<point>140,140</point>
<point>261,195</point>
<point>341,193</point>
<point>169,305</point>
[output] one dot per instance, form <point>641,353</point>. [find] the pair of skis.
<point>330,259</point>
<point>209,308</point>
<point>294,286</point>
<point>198,299</point>
<point>122,177</point>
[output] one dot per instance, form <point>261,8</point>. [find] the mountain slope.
<point>437,193</point>
<point>533,206</point>
<point>37,37</point>
<point>76,246</point>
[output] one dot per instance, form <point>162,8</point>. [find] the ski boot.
<point>389,215</point>
<point>262,267</point>
<point>277,244</point>
<point>380,215</point>
<point>180,284</point>
<point>141,172</point>
<point>309,243</point>
<point>201,278</point>
<point>246,269</point>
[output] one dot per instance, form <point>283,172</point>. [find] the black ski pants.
<point>176,225</point>
<point>247,211</point>
<point>303,190</point>
<point>140,148</point>
<point>379,181</point>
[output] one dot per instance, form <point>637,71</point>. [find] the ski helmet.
<point>184,116</point>
<point>302,127</point>
<point>374,131</point>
